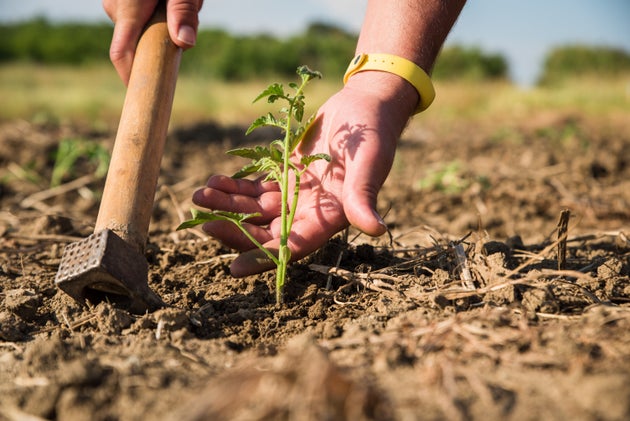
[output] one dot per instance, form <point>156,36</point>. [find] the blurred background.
<point>527,45</point>
<point>521,32</point>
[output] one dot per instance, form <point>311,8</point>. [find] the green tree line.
<point>580,60</point>
<point>321,46</point>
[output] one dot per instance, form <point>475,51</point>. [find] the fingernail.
<point>379,219</point>
<point>187,35</point>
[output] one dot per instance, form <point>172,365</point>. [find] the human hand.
<point>130,17</point>
<point>358,128</point>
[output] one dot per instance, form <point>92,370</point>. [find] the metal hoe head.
<point>103,267</point>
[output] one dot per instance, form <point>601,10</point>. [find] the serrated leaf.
<point>307,160</point>
<point>269,165</point>
<point>298,111</point>
<point>265,120</point>
<point>276,150</point>
<point>278,145</point>
<point>262,165</point>
<point>201,217</point>
<point>248,169</point>
<point>272,93</point>
<point>260,121</point>
<point>256,152</point>
<point>301,132</point>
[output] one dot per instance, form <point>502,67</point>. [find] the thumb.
<point>359,204</point>
<point>362,214</point>
<point>182,18</point>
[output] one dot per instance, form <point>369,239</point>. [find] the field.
<point>468,310</point>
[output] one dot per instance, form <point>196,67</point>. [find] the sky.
<point>522,31</point>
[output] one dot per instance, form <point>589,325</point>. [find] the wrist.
<point>390,89</point>
<point>399,66</point>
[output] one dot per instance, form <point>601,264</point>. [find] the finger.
<point>251,263</point>
<point>123,47</point>
<point>230,235</point>
<point>360,209</point>
<point>267,204</point>
<point>364,178</point>
<point>183,21</point>
<point>129,19</point>
<point>307,235</point>
<point>241,185</point>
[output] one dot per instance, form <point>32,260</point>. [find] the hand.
<point>358,128</point>
<point>130,17</point>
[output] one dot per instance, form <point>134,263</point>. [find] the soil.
<point>466,311</point>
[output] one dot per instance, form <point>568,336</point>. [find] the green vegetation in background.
<point>237,58</point>
<point>582,60</point>
<point>71,152</point>
<point>471,64</point>
<point>42,42</point>
<point>228,57</point>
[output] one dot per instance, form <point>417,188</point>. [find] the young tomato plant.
<point>274,160</point>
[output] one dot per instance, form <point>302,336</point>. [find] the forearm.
<point>413,29</point>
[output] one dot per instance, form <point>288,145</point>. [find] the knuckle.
<point>117,55</point>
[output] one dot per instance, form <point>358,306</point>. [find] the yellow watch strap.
<point>402,67</point>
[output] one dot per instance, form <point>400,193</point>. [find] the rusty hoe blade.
<point>103,267</point>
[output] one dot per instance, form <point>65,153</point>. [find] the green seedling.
<point>447,178</point>
<point>70,151</point>
<point>274,160</point>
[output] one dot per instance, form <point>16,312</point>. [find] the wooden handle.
<point>134,169</point>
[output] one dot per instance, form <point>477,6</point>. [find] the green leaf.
<point>201,217</point>
<point>264,164</point>
<point>307,74</point>
<point>269,164</point>
<point>278,145</point>
<point>248,169</point>
<point>273,92</point>
<point>301,132</point>
<point>298,108</point>
<point>265,120</point>
<point>256,152</point>
<point>308,159</point>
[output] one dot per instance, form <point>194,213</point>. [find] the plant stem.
<point>257,243</point>
<point>283,253</point>
<point>286,214</point>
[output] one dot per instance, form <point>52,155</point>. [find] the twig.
<point>371,281</point>
<point>57,238</point>
<point>158,330</point>
<point>178,209</point>
<point>552,316</point>
<point>11,345</point>
<point>215,259</point>
<point>37,198</point>
<point>330,276</point>
<point>195,317</point>
<point>563,227</point>
<point>80,322</point>
<point>462,264</point>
